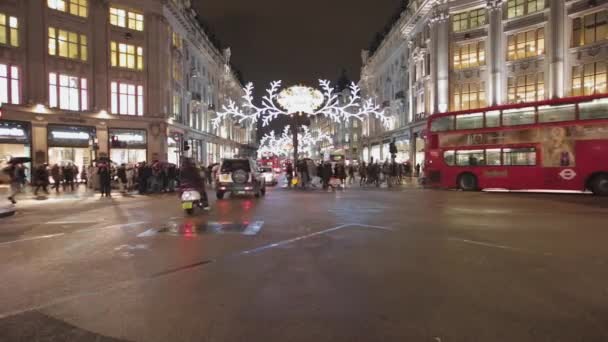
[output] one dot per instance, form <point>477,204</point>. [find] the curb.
<point>7,211</point>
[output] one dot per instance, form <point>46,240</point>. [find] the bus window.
<point>493,118</point>
<point>519,156</point>
<point>493,157</point>
<point>515,117</point>
<point>597,109</point>
<point>449,158</point>
<point>556,113</point>
<point>470,158</point>
<point>469,121</point>
<point>445,123</point>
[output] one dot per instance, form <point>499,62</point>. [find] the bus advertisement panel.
<point>551,145</point>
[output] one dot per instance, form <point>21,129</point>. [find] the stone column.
<point>440,59</point>
<point>100,47</point>
<point>411,79</point>
<point>35,45</point>
<point>555,50</point>
<point>495,54</point>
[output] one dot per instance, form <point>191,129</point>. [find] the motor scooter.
<point>191,199</point>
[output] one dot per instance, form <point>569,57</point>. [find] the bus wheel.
<point>599,185</point>
<point>467,182</point>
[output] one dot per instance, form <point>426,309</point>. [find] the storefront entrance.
<point>15,141</point>
<point>71,145</point>
<point>128,146</point>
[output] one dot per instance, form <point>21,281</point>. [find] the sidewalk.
<point>27,199</point>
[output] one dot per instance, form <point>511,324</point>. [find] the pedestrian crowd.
<point>331,176</point>
<point>102,176</point>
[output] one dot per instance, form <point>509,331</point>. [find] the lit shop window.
<point>68,92</point>
<point>517,8</point>
<point>9,84</point>
<point>74,7</point>
<point>123,18</point>
<point>589,79</point>
<point>67,44</point>
<point>177,69</point>
<point>526,44</point>
<point>526,88</point>
<point>590,28</point>
<point>469,96</point>
<point>177,105</point>
<point>468,20</point>
<point>127,99</point>
<point>177,41</point>
<point>126,56</point>
<point>469,55</point>
<point>9,30</point>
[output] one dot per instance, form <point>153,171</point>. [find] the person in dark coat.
<point>289,174</point>
<point>121,174</point>
<point>105,179</point>
<point>41,179</point>
<point>142,178</point>
<point>362,174</point>
<point>326,174</point>
<point>68,177</point>
<point>56,175</point>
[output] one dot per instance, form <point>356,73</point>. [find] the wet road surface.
<point>358,265</point>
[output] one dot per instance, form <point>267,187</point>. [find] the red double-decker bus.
<point>551,145</point>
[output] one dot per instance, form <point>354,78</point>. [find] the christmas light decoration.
<point>282,145</point>
<point>302,100</point>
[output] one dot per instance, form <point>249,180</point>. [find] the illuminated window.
<point>469,96</point>
<point>590,28</point>
<point>517,8</point>
<point>123,18</point>
<point>126,56</point>
<point>178,69</point>
<point>9,30</point>
<point>74,7</point>
<point>127,99</point>
<point>177,105</point>
<point>469,55</point>
<point>589,79</point>
<point>526,88</point>
<point>9,84</point>
<point>526,44</point>
<point>468,20</point>
<point>67,44</point>
<point>177,41</point>
<point>68,92</point>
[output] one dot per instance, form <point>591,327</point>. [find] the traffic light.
<point>186,146</point>
<point>114,143</point>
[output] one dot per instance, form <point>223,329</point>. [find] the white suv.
<point>239,176</point>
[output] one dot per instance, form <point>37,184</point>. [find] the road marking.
<point>148,233</point>
<point>34,238</point>
<point>493,245</point>
<point>109,227</point>
<point>74,222</point>
<point>373,227</point>
<point>128,283</point>
<point>50,236</point>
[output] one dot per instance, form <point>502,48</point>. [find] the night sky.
<point>296,41</point>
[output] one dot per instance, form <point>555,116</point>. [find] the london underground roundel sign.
<point>567,174</point>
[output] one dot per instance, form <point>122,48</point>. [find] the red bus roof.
<point>552,102</point>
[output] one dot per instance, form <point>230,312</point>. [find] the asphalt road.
<point>359,265</point>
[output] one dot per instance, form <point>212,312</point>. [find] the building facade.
<point>465,54</point>
<point>133,80</point>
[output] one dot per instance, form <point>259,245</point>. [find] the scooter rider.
<point>190,177</point>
